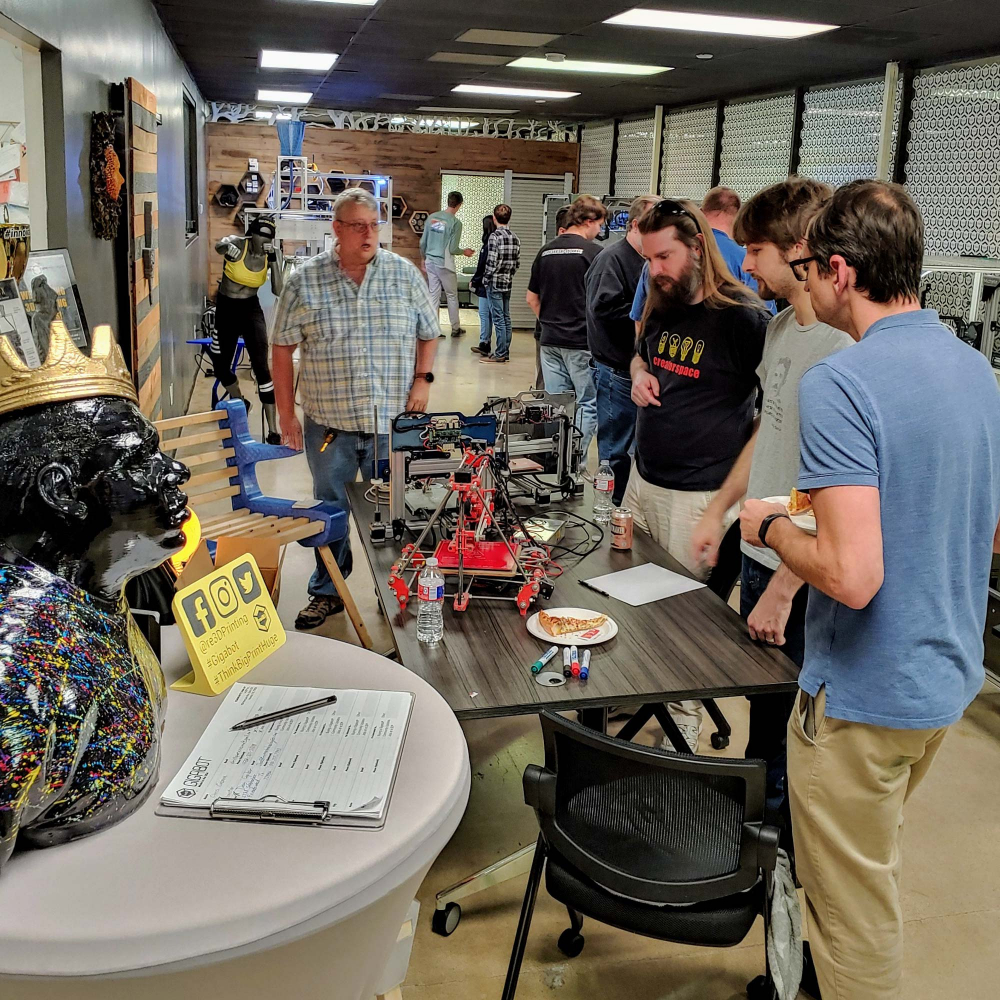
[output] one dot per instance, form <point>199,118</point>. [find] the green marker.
<point>543,659</point>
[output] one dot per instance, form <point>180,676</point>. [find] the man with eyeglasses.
<point>366,331</point>
<point>900,452</point>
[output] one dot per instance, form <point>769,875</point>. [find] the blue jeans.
<point>332,471</point>
<point>500,310</point>
<point>485,322</point>
<point>616,416</point>
<point>769,713</point>
<point>567,369</point>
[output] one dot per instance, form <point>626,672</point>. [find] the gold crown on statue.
<point>67,373</point>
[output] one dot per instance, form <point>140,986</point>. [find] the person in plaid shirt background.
<point>503,258</point>
<point>366,330</point>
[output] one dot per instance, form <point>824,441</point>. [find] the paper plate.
<point>807,521</point>
<point>607,631</point>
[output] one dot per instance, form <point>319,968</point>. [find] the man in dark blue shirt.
<point>906,497</point>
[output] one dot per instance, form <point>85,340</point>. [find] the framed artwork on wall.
<point>49,291</point>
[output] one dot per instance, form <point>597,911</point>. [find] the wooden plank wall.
<point>142,188</point>
<point>413,161</point>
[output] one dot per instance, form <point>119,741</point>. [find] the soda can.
<point>622,524</point>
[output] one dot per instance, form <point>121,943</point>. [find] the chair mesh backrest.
<point>647,821</point>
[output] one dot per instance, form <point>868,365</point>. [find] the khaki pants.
<point>848,783</point>
<point>670,517</point>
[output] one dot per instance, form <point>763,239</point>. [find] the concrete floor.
<point>951,885</point>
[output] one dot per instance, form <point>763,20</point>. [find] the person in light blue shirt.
<point>720,207</point>
<point>900,452</point>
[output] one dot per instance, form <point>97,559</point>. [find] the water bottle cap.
<point>431,562</point>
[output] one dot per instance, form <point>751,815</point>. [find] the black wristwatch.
<point>426,376</point>
<point>765,524</point>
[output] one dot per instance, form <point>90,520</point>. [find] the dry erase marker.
<point>585,665</point>
<point>574,656</point>
<point>543,659</point>
<point>566,662</point>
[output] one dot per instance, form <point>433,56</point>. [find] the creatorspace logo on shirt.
<point>674,346</point>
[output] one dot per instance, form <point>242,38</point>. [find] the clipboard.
<point>334,766</point>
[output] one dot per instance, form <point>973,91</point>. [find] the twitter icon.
<point>246,582</point>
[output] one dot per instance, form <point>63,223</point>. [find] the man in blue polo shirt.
<point>720,207</point>
<point>907,504</point>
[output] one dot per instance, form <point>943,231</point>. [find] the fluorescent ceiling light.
<point>476,88</point>
<point>520,39</point>
<point>718,24</point>
<point>270,114</point>
<point>356,3</point>
<point>275,59</point>
<point>470,111</point>
<point>469,58</point>
<point>285,96</point>
<point>585,66</point>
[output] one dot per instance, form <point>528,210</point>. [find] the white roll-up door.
<point>527,202</point>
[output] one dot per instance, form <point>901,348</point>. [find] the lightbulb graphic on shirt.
<point>663,344</point>
<point>699,349</point>
<point>675,343</point>
<point>686,348</point>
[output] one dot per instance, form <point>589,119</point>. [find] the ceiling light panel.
<point>586,66</point>
<point>520,39</point>
<point>469,58</point>
<point>285,96</point>
<point>277,59</point>
<point>477,88</point>
<point>718,24</point>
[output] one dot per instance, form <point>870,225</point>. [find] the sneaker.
<point>319,608</point>
<point>689,731</point>
<point>460,332</point>
<point>492,359</point>
<point>482,349</point>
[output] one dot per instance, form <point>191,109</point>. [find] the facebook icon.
<point>198,613</point>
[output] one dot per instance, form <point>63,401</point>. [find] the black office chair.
<point>661,844</point>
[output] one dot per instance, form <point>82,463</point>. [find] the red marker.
<point>575,660</point>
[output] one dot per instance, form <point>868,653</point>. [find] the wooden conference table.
<point>690,646</point>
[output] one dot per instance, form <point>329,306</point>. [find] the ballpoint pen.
<point>284,713</point>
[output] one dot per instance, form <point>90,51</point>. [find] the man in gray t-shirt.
<point>772,226</point>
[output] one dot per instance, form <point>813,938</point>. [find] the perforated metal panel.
<point>757,143</point>
<point>953,154</point>
<point>688,152</point>
<point>482,194</point>
<point>633,165</point>
<point>841,129</point>
<point>596,147</point>
<point>527,200</point>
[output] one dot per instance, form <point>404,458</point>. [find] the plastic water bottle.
<point>604,488</point>
<point>430,597</point>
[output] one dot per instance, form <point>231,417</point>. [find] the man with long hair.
<point>557,294</point>
<point>694,379</point>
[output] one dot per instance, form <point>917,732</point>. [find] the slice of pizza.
<point>799,503</point>
<point>557,625</point>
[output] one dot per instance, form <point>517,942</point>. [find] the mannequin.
<point>87,501</point>
<point>238,312</point>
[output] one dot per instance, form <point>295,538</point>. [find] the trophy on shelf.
<point>87,501</point>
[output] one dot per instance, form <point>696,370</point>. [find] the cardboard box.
<point>268,553</point>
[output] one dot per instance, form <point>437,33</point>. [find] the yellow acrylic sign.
<point>229,625</point>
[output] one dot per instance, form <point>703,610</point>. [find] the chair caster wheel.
<point>445,921</point>
<point>761,988</point>
<point>719,742</point>
<point>570,943</point>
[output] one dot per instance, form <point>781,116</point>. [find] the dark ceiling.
<point>385,49</point>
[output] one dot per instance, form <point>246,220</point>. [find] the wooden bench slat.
<point>215,476</point>
<point>209,456</point>
<point>213,526</point>
<point>189,442</point>
<point>205,498</point>
<point>207,417</point>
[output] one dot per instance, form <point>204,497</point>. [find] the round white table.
<point>208,909</point>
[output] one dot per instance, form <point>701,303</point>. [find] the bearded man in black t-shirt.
<point>694,379</point>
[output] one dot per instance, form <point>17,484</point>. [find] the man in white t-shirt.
<point>772,227</point>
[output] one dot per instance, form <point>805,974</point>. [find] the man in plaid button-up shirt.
<point>366,331</point>
<point>503,258</point>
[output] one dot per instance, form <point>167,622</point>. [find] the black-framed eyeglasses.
<point>667,207</point>
<point>800,267</point>
<point>362,228</point>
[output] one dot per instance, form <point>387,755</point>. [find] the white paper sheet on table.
<point>643,584</point>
